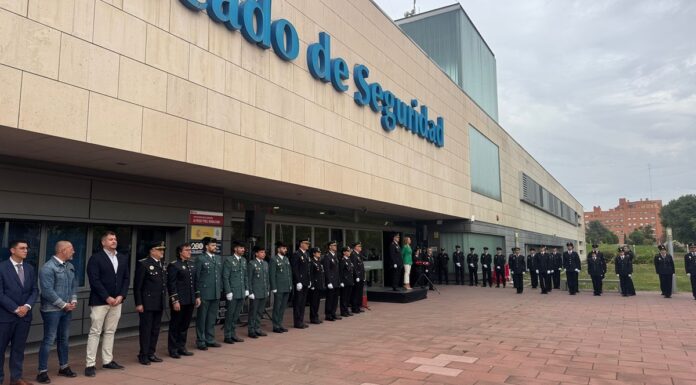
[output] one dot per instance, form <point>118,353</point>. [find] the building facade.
<point>628,216</point>
<point>166,119</point>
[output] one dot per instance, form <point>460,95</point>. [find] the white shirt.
<point>114,259</point>
<point>59,260</point>
<point>15,264</point>
<point>237,256</point>
<point>280,256</point>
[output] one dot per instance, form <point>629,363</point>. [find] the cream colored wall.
<point>125,73</point>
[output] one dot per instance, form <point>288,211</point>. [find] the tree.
<point>680,215</point>
<point>596,232</point>
<point>648,234</point>
<point>636,237</point>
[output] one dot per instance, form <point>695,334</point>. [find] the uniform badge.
<point>152,267</point>
<point>183,267</point>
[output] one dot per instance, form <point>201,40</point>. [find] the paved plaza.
<point>466,335</point>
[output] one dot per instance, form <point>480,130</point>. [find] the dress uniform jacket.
<point>596,265</point>
<point>664,265</point>
<point>346,271</point>
<point>358,266</point>
<point>517,264</point>
<point>572,261</point>
<point>330,262</point>
<point>150,284</point>
<point>690,267</point>
<point>458,257</point>
<point>234,276</point>
<point>181,282</point>
<point>499,263</point>
<point>316,275</point>
<point>259,284</point>
<point>472,259</point>
<point>281,274</point>
<point>208,270</point>
<point>300,268</point>
<point>487,259</point>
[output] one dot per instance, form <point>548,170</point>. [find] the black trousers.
<point>534,276</point>
<point>179,323</point>
<point>443,272</point>
<point>357,296</point>
<point>473,277</point>
<point>545,282</point>
<point>396,277</point>
<point>499,277</point>
<point>572,277</point>
<point>298,306</point>
<point>346,293</point>
<point>13,334</point>
<point>556,278</point>
<point>459,274</point>
<point>693,285</point>
<point>486,277</point>
<point>626,283</point>
<point>518,282</point>
<point>331,302</point>
<point>149,328</point>
<point>597,284</point>
<point>314,297</point>
<point>666,284</point>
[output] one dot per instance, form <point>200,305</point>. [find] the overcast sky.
<point>595,90</point>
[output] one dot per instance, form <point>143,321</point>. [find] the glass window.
<point>321,237</point>
<point>372,244</point>
<point>337,235</point>
<point>147,235</point>
<point>302,232</point>
<point>77,235</point>
<point>284,233</point>
<point>485,165</point>
<point>237,231</point>
<point>29,231</point>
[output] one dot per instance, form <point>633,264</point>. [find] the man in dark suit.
<point>596,268</point>
<point>318,285</point>
<point>542,263</point>
<point>300,277</point>
<point>531,267</point>
<point>472,260</point>
<point>359,269</point>
<point>347,277</point>
<point>18,292</point>
<point>664,267</point>
<point>458,259</point>
<point>517,269</point>
<point>330,262</point>
<point>690,266</point>
<point>499,262</point>
<point>573,267</point>
<point>150,292</point>
<point>184,297</point>
<point>486,266</point>
<point>396,261</point>
<point>109,277</point>
<point>443,266</point>
<point>624,270</point>
<point>557,265</point>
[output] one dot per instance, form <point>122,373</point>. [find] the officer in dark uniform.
<point>596,267</point>
<point>333,281</point>
<point>183,298</point>
<point>664,267</point>
<point>557,259</point>
<point>359,270</point>
<point>396,261</point>
<point>458,259</point>
<point>236,288</point>
<point>150,292</point>
<point>300,277</point>
<point>425,263</point>
<point>624,270</point>
<point>517,268</point>
<point>486,266</point>
<point>281,285</point>
<point>531,266</point>
<point>317,285</point>
<point>542,263</point>
<point>573,267</point>
<point>690,266</point>
<point>259,290</point>
<point>442,267</point>
<point>347,278</point>
<point>499,263</point>
<point>472,263</point>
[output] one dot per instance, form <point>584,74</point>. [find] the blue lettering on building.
<point>253,19</point>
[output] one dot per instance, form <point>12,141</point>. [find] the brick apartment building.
<point>628,216</point>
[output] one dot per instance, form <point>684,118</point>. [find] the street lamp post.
<point>670,250</point>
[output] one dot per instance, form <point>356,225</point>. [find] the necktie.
<point>20,273</point>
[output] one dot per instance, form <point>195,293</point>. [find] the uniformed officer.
<point>458,259</point>
<point>150,292</point>
<point>542,263</point>
<point>597,268</point>
<point>347,278</point>
<point>664,267</point>
<point>690,266</point>
<point>208,269</point>
<point>259,290</point>
<point>281,285</point>
<point>359,271</point>
<point>429,266</point>
<point>443,266</point>
<point>333,281</point>
<point>183,298</point>
<point>396,261</point>
<point>472,262</point>
<point>531,267</point>
<point>573,267</point>
<point>517,269</point>
<point>623,265</point>
<point>300,277</point>
<point>236,287</point>
<point>486,266</point>
<point>557,264</point>
<point>499,263</point>
<point>317,286</point>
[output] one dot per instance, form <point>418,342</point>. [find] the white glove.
<point>310,284</point>
<point>330,286</point>
<point>312,288</point>
<point>485,266</point>
<point>246,293</point>
<point>342,285</point>
<point>630,275</point>
<point>357,279</point>
<point>275,290</point>
<point>251,296</point>
<point>299,286</point>
<point>427,271</point>
<point>688,274</point>
<point>559,269</point>
<point>537,271</point>
<point>471,264</point>
<point>524,272</point>
<point>617,275</point>
<point>497,267</point>
<point>548,271</point>
<point>395,266</point>
<point>459,264</point>
<point>577,270</point>
<point>229,296</point>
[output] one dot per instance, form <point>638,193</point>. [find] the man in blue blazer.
<point>18,292</point>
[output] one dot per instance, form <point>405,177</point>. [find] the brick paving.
<point>463,336</point>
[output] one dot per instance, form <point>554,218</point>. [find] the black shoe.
<point>261,333</point>
<point>143,360</point>
<point>213,345</point>
<point>300,326</point>
<point>154,358</point>
<point>338,317</point>
<point>90,371</point>
<point>112,365</point>
<point>668,296</point>
<point>315,322</point>
<point>237,339</point>
<point>202,347</point>
<point>395,289</point>
<point>284,329</point>
<point>185,353</point>
<point>42,378</point>
<point>334,319</point>
<point>66,372</point>
<point>252,335</point>
<point>174,355</point>
<point>228,341</point>
<point>276,330</point>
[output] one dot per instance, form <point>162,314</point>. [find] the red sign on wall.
<point>207,218</point>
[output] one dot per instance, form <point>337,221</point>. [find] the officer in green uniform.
<point>259,291</point>
<point>281,285</point>
<point>234,282</point>
<point>209,277</point>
